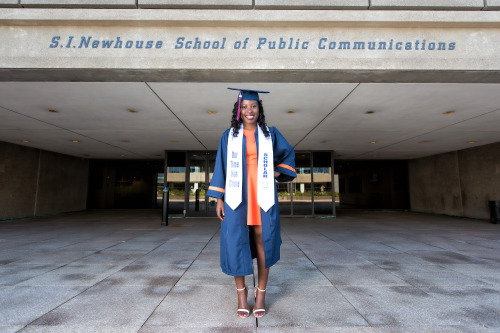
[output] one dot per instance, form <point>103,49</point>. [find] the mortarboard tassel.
<point>239,104</point>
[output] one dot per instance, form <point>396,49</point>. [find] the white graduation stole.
<point>234,170</point>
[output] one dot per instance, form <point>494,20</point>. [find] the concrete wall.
<point>373,184</point>
<point>36,182</point>
<point>123,184</point>
<point>458,183</point>
<point>262,4</point>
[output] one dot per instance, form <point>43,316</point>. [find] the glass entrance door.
<point>200,170</point>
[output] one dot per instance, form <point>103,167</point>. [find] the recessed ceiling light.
<point>53,111</point>
<point>75,141</point>
<point>370,112</point>
<point>471,141</point>
<point>211,111</point>
<point>26,141</point>
<point>132,111</point>
<point>291,111</point>
<point>449,112</point>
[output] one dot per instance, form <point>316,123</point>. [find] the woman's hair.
<point>235,124</point>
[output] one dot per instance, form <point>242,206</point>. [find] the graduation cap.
<point>247,94</point>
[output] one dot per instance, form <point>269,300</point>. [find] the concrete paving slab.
<point>51,244</point>
<point>109,257</point>
<point>21,305</point>
<point>444,329</point>
<point>316,329</point>
<point>161,236</point>
<point>409,245</point>
<point>324,256</point>
<point>287,256</point>
<point>54,257</point>
<point>360,275</point>
<point>10,329</point>
<point>477,305</point>
<point>402,307</point>
<point>433,275</point>
<point>181,258</point>
<point>180,246</point>
<point>488,273</point>
<point>209,257</point>
<point>338,244</point>
<point>385,259</point>
<point>79,329</point>
<point>14,274</point>
<point>144,275</point>
<point>202,273</point>
<point>445,257</point>
<point>486,255</point>
<point>302,273</point>
<point>106,306</point>
<point>92,245</point>
<point>200,308</point>
<point>73,275</point>
<point>133,245</point>
<point>456,245</point>
<point>354,244</point>
<point>326,307</point>
<point>491,244</point>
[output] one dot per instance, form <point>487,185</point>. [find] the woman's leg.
<point>242,296</point>
<point>263,273</point>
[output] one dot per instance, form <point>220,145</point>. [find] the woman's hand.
<point>220,209</point>
<point>276,174</point>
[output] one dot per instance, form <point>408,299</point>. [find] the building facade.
<point>101,101</point>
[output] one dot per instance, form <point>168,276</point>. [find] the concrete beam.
<point>427,4</point>
<point>312,4</point>
<point>10,3</point>
<point>79,3</point>
<point>201,4</point>
<point>492,5</point>
<point>285,76</point>
<point>246,18</point>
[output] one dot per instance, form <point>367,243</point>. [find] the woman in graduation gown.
<point>249,158</point>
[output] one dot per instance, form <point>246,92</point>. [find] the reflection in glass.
<point>322,177</point>
<point>176,181</point>
<point>302,195</point>
<point>197,188</point>
<point>211,202</point>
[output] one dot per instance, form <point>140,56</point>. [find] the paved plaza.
<point>364,271</point>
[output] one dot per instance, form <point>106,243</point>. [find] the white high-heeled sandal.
<point>258,310</point>
<point>243,310</point>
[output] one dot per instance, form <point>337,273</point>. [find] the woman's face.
<point>249,112</point>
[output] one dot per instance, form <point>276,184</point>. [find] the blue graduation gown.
<point>236,249</point>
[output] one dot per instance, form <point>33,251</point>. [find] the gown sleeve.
<point>218,182</point>
<point>284,157</point>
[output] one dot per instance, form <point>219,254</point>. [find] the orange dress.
<point>253,214</point>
